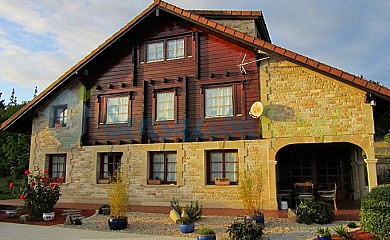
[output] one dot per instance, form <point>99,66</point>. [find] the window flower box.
<point>222,182</point>
<point>103,181</point>
<point>154,181</point>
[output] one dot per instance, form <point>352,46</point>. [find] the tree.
<point>14,147</point>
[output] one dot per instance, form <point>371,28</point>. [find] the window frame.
<point>57,118</point>
<point>188,47</point>
<point>155,93</point>
<point>50,166</point>
<point>115,156</point>
<point>103,108</point>
<point>238,99</point>
<point>209,180</point>
<point>151,166</point>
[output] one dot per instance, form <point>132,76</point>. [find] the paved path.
<point>14,231</point>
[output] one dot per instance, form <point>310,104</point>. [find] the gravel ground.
<point>160,224</point>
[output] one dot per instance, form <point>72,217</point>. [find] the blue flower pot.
<point>258,219</point>
<point>117,223</point>
<point>187,228</point>
<point>324,237</point>
<point>211,237</point>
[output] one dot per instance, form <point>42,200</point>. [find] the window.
<point>219,102</point>
<point>222,164</point>
<point>60,118</point>
<point>175,48</point>
<point>165,106</point>
<point>57,166</point>
<point>166,49</point>
<point>163,166</point>
<point>155,51</point>
<point>109,164</point>
<point>114,110</point>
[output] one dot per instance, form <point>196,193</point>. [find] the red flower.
<point>52,184</point>
<point>46,171</point>
<point>22,197</point>
<point>27,172</point>
<point>11,185</point>
<point>32,184</point>
<point>43,178</point>
<point>45,185</point>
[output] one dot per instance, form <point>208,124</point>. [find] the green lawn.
<point>5,190</point>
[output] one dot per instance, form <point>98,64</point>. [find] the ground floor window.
<point>57,167</point>
<point>109,164</point>
<point>222,164</point>
<point>163,167</point>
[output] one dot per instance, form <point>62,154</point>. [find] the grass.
<point>5,190</point>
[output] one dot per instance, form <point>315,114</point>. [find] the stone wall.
<point>245,26</point>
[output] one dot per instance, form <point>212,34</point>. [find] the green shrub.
<point>310,211</point>
<point>375,212</point>
<point>248,230</point>
<point>206,231</point>
<point>352,225</point>
<point>323,231</point>
<point>342,232</point>
<point>194,211</point>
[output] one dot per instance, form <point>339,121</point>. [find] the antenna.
<point>242,64</point>
<point>256,110</point>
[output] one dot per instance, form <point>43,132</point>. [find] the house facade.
<point>172,104</point>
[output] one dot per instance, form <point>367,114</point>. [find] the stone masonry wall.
<point>300,102</point>
<point>245,26</point>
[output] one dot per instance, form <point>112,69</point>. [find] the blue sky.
<point>40,40</point>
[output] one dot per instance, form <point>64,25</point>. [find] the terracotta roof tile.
<point>301,58</point>
<point>384,91</point>
<point>194,16</point>
<point>312,63</point>
<point>246,13</point>
<point>212,24</point>
<point>360,81</point>
<point>324,67</point>
<point>347,76</point>
<point>221,27</point>
<point>336,72</point>
<point>249,38</point>
<point>226,12</point>
<point>373,86</point>
<point>280,50</point>
<point>269,46</point>
<point>259,42</point>
<point>290,54</point>
<point>203,20</point>
<point>186,14</point>
<point>236,13</point>
<point>178,10</point>
<point>230,31</point>
<point>239,34</point>
<point>170,7</point>
<point>163,4</point>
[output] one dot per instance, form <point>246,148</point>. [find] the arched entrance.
<point>323,164</point>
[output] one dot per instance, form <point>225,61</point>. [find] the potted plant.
<point>245,230</point>
<point>221,181</point>
<point>103,180</point>
<point>206,233</point>
<point>251,193</point>
<point>39,194</point>
<point>118,203</point>
<point>155,181</point>
<point>323,234</point>
<point>186,224</point>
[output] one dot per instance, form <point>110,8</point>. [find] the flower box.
<point>103,181</point>
<point>222,182</point>
<point>154,181</point>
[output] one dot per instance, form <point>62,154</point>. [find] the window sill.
<point>162,185</point>
<point>220,186</point>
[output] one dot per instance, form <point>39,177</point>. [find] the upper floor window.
<point>175,48</point>
<point>222,164</point>
<point>60,116</point>
<point>163,166</point>
<point>219,102</point>
<point>165,106</point>
<point>114,109</point>
<point>155,51</point>
<point>109,164</point>
<point>57,167</point>
<point>166,49</point>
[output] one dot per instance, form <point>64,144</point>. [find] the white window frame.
<point>114,111</point>
<point>177,48</point>
<point>165,106</point>
<point>219,102</point>
<point>152,50</point>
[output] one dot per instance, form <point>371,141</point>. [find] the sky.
<point>40,40</point>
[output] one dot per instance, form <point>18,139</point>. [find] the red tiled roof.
<point>192,16</point>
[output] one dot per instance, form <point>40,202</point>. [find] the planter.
<point>117,223</point>
<point>324,237</point>
<point>154,181</point>
<point>222,183</point>
<point>10,213</point>
<point>187,228</point>
<point>208,237</point>
<point>103,181</point>
<point>47,217</point>
<point>257,219</point>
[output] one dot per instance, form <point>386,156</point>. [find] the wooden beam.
<point>197,55</point>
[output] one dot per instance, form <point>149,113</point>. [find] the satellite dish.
<point>256,110</point>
